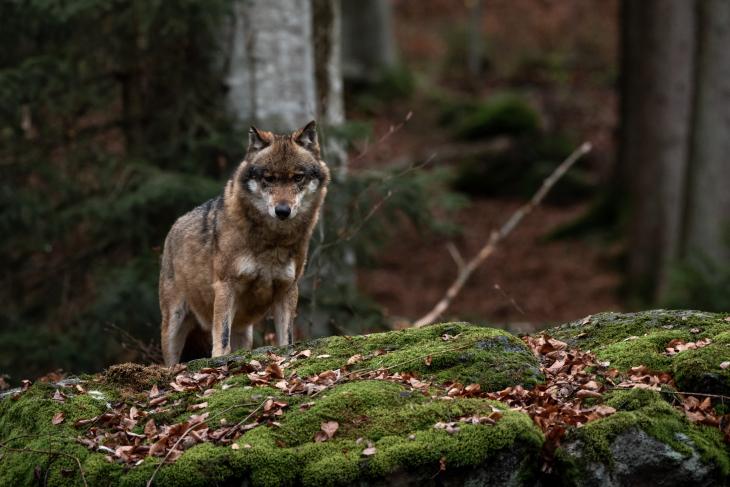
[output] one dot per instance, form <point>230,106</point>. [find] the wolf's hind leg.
<point>175,329</point>
<point>242,339</point>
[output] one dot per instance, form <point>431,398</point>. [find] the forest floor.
<point>527,284</point>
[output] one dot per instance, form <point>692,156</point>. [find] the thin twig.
<point>391,130</point>
<point>682,393</point>
<point>237,425</point>
<point>497,236</point>
<point>49,452</point>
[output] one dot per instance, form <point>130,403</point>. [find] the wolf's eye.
<point>269,179</point>
<point>298,178</point>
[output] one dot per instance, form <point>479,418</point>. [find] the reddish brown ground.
<point>528,282</point>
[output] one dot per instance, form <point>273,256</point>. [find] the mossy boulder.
<point>396,420</point>
<point>647,442</point>
<point>632,339</point>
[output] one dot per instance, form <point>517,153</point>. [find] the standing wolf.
<point>231,260</point>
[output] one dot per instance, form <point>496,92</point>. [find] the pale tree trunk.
<point>271,65</point>
<point>368,44</point>
<point>655,137</point>
<point>708,195</point>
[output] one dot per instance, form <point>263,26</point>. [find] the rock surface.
<point>414,431</point>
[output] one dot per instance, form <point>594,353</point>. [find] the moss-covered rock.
<point>631,339</point>
<point>398,421</point>
<point>647,442</point>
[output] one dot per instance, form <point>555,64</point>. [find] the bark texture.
<point>707,222</point>
<point>674,136</point>
<point>271,81</point>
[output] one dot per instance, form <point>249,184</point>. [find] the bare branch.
<point>497,236</point>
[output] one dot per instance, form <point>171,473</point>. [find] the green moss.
<point>503,114</point>
<point>699,370</point>
<point>632,339</point>
<point>26,424</point>
<point>487,356</point>
<point>645,410</point>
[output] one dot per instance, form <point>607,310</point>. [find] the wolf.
<point>229,262</point>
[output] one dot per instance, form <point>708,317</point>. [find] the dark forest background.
<point>439,117</point>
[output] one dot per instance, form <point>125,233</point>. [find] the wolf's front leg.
<point>285,310</point>
<point>223,313</point>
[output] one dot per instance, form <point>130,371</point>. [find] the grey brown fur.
<point>235,258</point>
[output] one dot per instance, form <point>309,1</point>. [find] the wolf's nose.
<point>282,210</point>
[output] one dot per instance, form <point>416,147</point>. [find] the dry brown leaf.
<point>58,418</point>
<point>354,359</point>
<point>150,428</point>
<point>275,371</point>
<point>330,428</point>
<point>304,353</point>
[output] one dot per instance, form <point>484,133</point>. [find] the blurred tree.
<point>707,218</point>
<point>675,121</point>
<point>475,49</point>
<point>368,44</point>
<point>656,107</point>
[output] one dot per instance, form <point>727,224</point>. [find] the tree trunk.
<point>271,64</point>
<point>326,29</point>
<point>368,45</point>
<point>707,222</point>
<point>656,132</point>
<point>475,48</point>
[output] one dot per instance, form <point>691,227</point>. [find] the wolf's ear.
<point>258,139</point>
<point>307,137</point>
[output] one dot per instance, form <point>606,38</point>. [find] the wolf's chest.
<point>265,269</point>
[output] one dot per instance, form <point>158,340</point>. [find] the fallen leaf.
<point>354,359</point>
<point>58,418</point>
<point>368,452</point>
<point>275,371</point>
<point>150,428</point>
<point>327,431</point>
<point>724,365</point>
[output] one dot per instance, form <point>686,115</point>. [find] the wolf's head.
<point>283,175</point>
